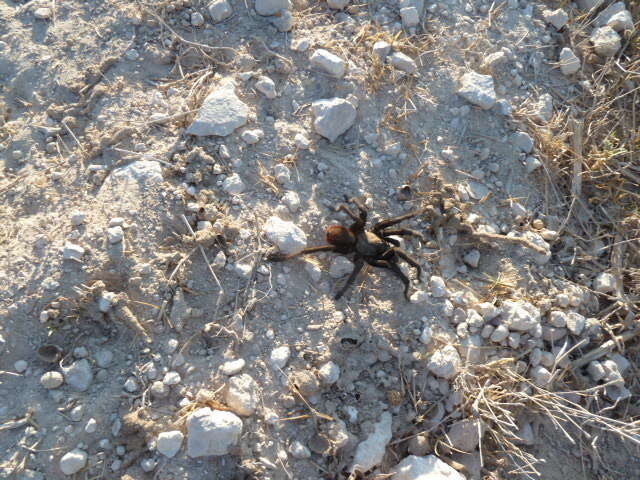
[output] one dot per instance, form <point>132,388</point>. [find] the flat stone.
<point>221,113</point>
<point>569,63</point>
<point>232,367</point>
<point>333,117</point>
<point>169,443</point>
<point>558,18</point>
<point>328,63</point>
<point>287,236</point>
<point>478,89</point>
<point>402,62</point>
<point>370,452</point>
<point>424,468</point>
<point>71,251</point>
<point>266,86</point>
<point>78,375</point>
<point>212,432</point>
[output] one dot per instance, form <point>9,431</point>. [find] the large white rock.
<point>212,432</point>
<point>169,443</point>
<point>78,375</point>
<point>615,16</point>
<point>73,461</point>
<point>606,42</point>
<point>287,236</point>
<point>445,362</point>
<point>478,89</point>
<point>242,394</point>
<point>328,62</point>
<point>369,452</point>
<point>221,113</point>
<point>271,7</point>
<point>425,468</point>
<point>569,63</point>
<point>333,117</point>
<point>520,315</point>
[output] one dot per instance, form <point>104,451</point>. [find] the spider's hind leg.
<point>393,266</point>
<point>396,251</point>
<point>358,264</point>
<point>402,232</point>
<point>395,220</point>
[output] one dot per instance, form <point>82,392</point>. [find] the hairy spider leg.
<point>358,223</point>
<point>279,256</point>
<point>361,208</point>
<point>391,265</point>
<point>395,220</point>
<point>357,266</point>
<point>396,251</point>
<point>402,232</point>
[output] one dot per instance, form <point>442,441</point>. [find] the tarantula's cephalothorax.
<point>375,247</point>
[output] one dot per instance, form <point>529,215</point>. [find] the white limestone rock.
<point>424,468</point>
<point>370,452</point>
<point>520,316</point>
<point>445,362</point>
<point>287,236</point>
<point>271,7</point>
<point>333,117</point>
<point>328,63</point>
<point>169,443</point>
<point>569,62</point>
<point>242,395</point>
<point>478,89</point>
<point>212,432</point>
<point>606,41</point>
<point>221,112</point>
<point>74,461</point>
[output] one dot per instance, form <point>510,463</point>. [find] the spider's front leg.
<point>280,256</point>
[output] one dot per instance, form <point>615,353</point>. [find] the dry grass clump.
<point>500,397</point>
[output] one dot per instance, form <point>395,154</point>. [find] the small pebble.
<point>51,380</point>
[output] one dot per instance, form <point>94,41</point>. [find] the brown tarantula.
<point>375,246</point>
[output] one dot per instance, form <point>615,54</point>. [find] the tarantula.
<point>375,246</point>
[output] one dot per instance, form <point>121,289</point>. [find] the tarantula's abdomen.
<point>340,236</point>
